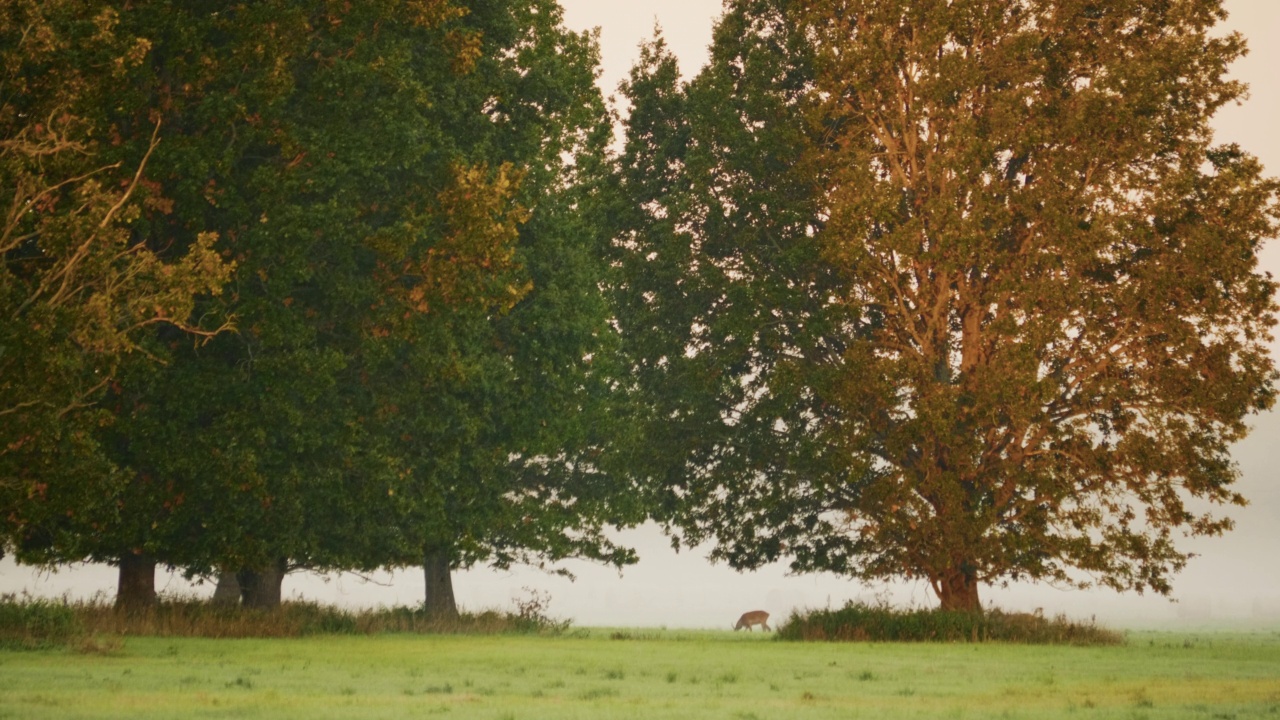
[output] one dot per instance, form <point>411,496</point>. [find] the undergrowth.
<point>94,626</point>
<point>861,622</point>
<point>34,623</point>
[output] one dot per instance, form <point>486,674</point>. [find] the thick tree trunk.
<point>439,601</point>
<point>260,587</point>
<point>958,590</point>
<point>137,585</point>
<point>228,590</point>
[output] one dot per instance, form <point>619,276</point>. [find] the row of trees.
<point>959,291</point>
<point>392,357</point>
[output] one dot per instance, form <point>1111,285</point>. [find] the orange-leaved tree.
<point>957,291</point>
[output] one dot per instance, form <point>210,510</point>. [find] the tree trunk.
<point>228,590</point>
<point>260,588</point>
<point>136,589</point>
<point>439,601</point>
<point>958,590</point>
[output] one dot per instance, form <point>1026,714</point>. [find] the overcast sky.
<point>1236,579</point>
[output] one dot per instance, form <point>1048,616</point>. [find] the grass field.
<point>647,674</point>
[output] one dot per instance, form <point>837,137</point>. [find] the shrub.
<point>860,622</point>
<point>34,623</point>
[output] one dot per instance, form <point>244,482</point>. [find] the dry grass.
<point>95,626</point>
<point>291,619</point>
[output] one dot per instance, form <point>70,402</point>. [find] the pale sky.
<point>1236,579</point>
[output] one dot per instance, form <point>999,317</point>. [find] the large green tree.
<point>959,291</point>
<point>320,138</point>
<point>81,290</point>
<point>496,411</point>
<point>409,191</point>
<point>213,80</point>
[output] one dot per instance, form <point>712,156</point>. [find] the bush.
<point>860,622</point>
<point>34,623</point>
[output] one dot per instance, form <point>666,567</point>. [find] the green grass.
<point>644,674</point>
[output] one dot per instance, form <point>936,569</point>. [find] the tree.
<point>80,292</point>
<point>408,189</point>
<point>314,133</point>
<point>225,455</point>
<point>495,409</point>
<point>991,313</point>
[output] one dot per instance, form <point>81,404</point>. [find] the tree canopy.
<point>409,192</point>
<point>959,291</point>
<point>81,293</point>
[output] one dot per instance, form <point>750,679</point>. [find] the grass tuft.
<point>860,622</point>
<point>105,645</point>
<point>241,681</point>
<point>597,693</point>
<point>635,635</point>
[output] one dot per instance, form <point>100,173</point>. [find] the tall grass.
<point>35,623</point>
<point>32,623</point>
<point>861,622</point>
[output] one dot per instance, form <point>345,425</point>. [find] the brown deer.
<point>755,617</point>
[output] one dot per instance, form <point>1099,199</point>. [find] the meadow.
<point>600,673</point>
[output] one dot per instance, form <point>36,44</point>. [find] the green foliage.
<point>860,622</point>
<point>335,180</point>
<point>81,293</point>
<point>37,623</point>
<point>954,291</point>
<point>408,192</point>
<point>499,455</point>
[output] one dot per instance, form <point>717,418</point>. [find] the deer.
<point>755,617</point>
